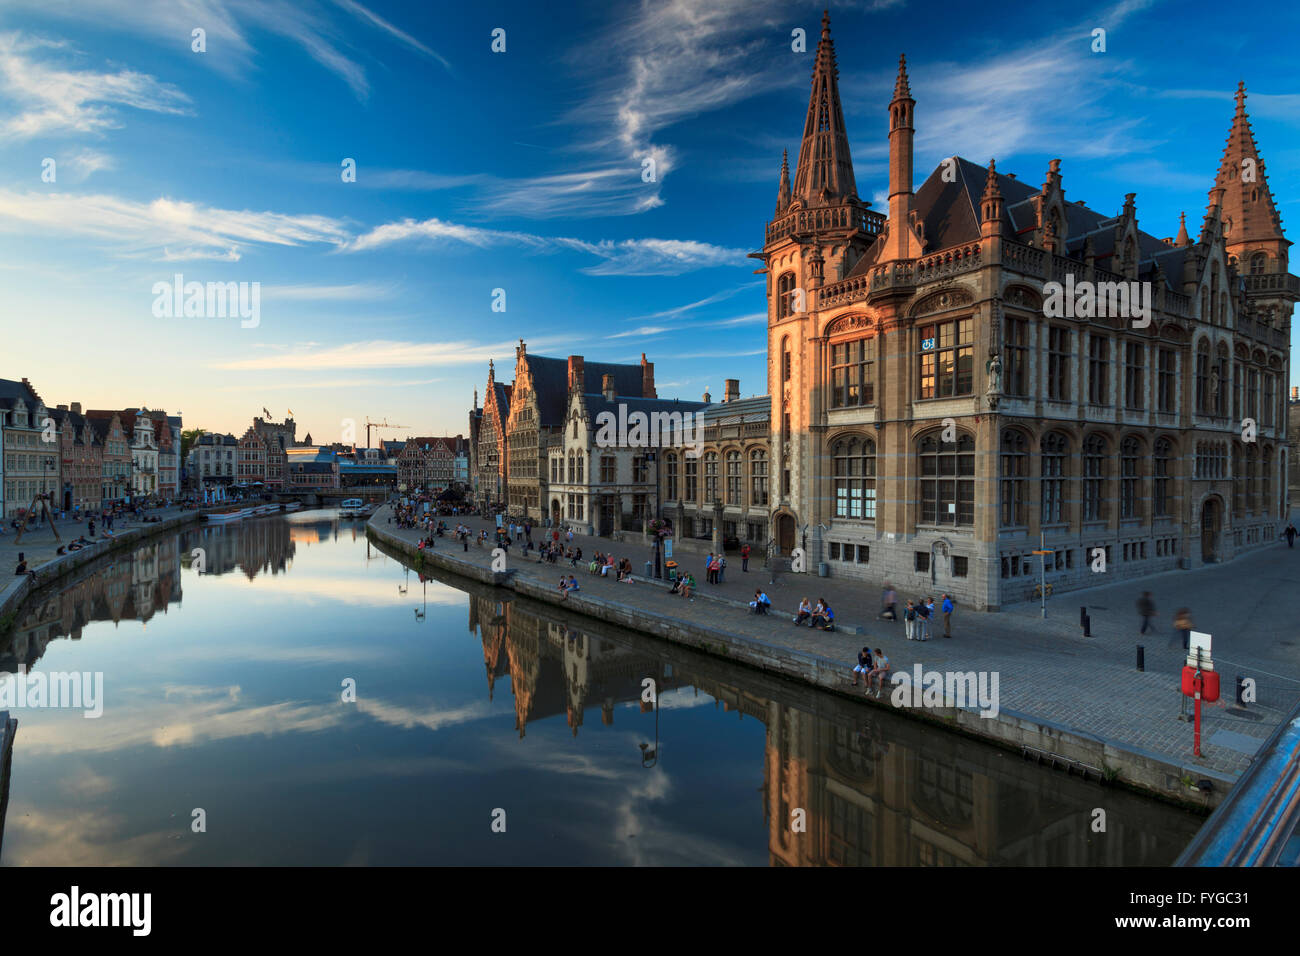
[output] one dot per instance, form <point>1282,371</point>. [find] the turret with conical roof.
<point>824,175</point>
<point>1246,207</point>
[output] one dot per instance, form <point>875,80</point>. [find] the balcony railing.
<point>1273,282</point>
<point>825,220</point>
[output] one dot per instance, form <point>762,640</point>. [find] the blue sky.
<point>522,171</point>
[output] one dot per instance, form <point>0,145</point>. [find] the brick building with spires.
<point>931,423</point>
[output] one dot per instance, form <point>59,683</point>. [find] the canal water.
<point>481,730</point>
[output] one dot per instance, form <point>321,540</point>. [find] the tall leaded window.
<point>1052,451</point>
<point>1236,390</point>
<point>735,479</point>
<point>1252,478</point>
<point>692,479</point>
<point>608,466</point>
<point>1160,478</point>
<point>1220,380</point>
<point>1094,478</point>
<point>853,373</point>
<point>670,469</point>
<point>1167,372</point>
<point>1203,378</point>
<point>1252,394</point>
<point>581,459</point>
<point>710,477</point>
<point>946,358</point>
<point>1238,479</point>
<point>784,295</point>
<point>786,362</point>
<point>1134,360</point>
<point>1014,478</point>
<point>947,480</point>
<point>1058,363</point>
<point>1015,372</point>
<point>1129,450</point>
<point>855,478</point>
<point>1265,479</point>
<point>1269,402</point>
<point>1258,263</point>
<point>758,477</point>
<point>1098,370</point>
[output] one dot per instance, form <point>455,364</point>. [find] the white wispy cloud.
<point>41,98</point>
<point>632,257</point>
<point>379,354</point>
<point>231,25</point>
<point>198,230</point>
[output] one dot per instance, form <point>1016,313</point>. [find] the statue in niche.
<point>993,368</point>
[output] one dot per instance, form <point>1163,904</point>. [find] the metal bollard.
<point>1083,616</point>
<point>1087,625</point>
<point>1142,658</point>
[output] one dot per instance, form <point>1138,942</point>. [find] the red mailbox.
<point>1209,684</point>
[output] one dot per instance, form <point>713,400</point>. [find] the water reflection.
<point>233,704</point>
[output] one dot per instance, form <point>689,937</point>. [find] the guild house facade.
<point>990,365</point>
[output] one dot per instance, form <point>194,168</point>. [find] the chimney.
<point>731,390</point>
<point>707,397</point>
<point>607,387</point>
<point>76,407</point>
<point>648,378</point>
<point>62,408</point>
<point>577,377</point>
<point>1295,393</point>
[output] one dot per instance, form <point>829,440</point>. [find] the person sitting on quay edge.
<point>879,672</point>
<point>863,666</point>
<point>761,604</point>
<point>825,619</point>
<point>609,563</point>
<point>688,586</point>
<point>804,612</point>
<point>22,566</point>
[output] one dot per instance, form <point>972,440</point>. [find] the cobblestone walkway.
<point>40,544</point>
<point>1046,668</point>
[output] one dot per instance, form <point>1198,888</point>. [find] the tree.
<point>188,437</point>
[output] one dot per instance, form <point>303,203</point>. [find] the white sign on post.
<point>1198,651</point>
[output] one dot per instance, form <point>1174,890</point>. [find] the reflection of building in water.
<point>557,669</point>
<point>873,802</point>
<point>250,546</point>
<point>875,788</point>
<point>133,587</point>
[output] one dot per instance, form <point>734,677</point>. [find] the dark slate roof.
<point>750,409</point>
<point>11,391</point>
<point>596,403</point>
<point>551,383</point>
<point>951,214</point>
<point>312,467</point>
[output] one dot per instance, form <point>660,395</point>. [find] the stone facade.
<point>937,417</point>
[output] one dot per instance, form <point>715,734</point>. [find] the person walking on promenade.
<point>744,557</point>
<point>947,615</point>
<point>889,603</point>
<point>708,568</point>
<point>1146,610</point>
<point>909,621</point>
<point>1183,625</point>
<point>570,537</point>
<point>1290,533</point>
<point>863,666</point>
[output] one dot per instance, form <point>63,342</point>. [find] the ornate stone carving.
<point>849,323</point>
<point>942,301</point>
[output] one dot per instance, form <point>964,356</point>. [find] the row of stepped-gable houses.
<point>82,459</point>
<point>268,458</point>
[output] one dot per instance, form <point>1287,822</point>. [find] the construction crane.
<point>383,424</point>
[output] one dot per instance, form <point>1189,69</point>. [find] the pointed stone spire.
<point>901,90</point>
<point>783,187</point>
<point>1246,204</point>
<point>1182,239</point>
<point>824,175</point>
<point>991,203</point>
<point>901,240</point>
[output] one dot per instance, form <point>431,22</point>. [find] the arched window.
<point>1252,479</point>
<point>692,479</point>
<point>710,477</point>
<point>855,478</point>
<point>1258,263</point>
<point>670,472</point>
<point>1094,478</point>
<point>1215,317</point>
<point>1129,451</point>
<point>1052,451</point>
<point>947,480</point>
<point>784,293</point>
<point>757,478</point>
<point>1203,378</point>
<point>1014,479</point>
<point>735,480</point>
<point>581,459</point>
<point>786,365</point>
<point>572,468</point>
<point>1219,381</point>
<point>1160,478</point>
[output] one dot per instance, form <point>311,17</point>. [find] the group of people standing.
<point>920,618</point>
